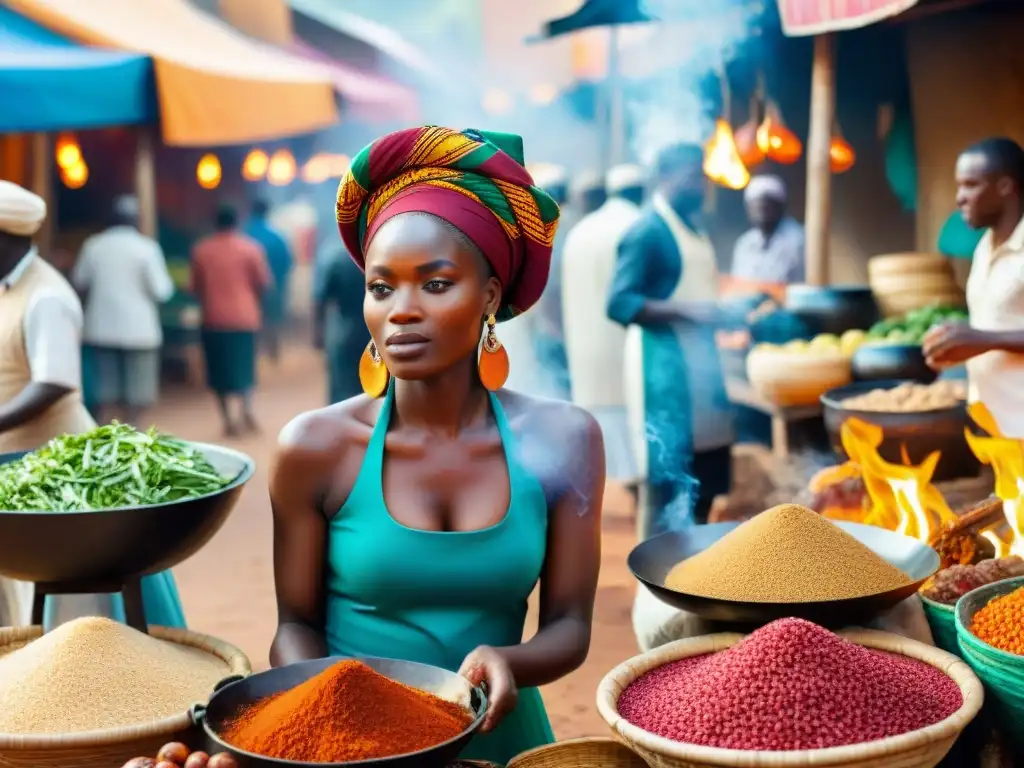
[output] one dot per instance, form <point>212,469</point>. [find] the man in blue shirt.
<point>279,258</point>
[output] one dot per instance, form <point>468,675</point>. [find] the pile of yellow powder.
<point>94,673</point>
<point>787,554</point>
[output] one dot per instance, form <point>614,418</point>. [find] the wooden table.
<point>740,392</point>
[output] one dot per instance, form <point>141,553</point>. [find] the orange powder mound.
<point>346,713</point>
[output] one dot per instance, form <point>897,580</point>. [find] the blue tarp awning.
<point>48,83</point>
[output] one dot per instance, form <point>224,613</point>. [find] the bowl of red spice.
<point>343,712</point>
<point>791,694</point>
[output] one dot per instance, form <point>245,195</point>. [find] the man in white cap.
<point>123,278</point>
<point>770,255</point>
<point>594,344</point>
<point>40,352</point>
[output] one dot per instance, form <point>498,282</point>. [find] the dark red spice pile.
<point>790,685</point>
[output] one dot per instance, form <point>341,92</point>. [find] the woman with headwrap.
<point>414,521</point>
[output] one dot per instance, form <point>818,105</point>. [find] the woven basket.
<point>111,747</point>
<point>580,753</point>
<point>923,748</point>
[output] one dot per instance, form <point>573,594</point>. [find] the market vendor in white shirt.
<point>40,334</point>
<point>770,255</point>
<point>595,345</point>
<point>990,180</point>
<point>40,395</point>
<point>40,353</point>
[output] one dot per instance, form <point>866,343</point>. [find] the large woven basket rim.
<point>568,745</point>
<point>615,682</point>
<point>238,664</point>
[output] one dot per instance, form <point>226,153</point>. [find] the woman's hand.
<point>486,666</point>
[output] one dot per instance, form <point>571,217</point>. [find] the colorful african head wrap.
<point>474,180</point>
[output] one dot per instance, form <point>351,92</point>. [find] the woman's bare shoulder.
<point>548,417</point>
<point>328,430</point>
<point>560,442</point>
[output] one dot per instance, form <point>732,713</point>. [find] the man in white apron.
<point>990,195</point>
<point>594,343</point>
<point>40,353</point>
<point>665,292</point>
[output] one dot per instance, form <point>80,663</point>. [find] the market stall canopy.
<point>817,17</point>
<point>382,38</point>
<point>48,83</point>
<point>370,96</point>
<point>215,86</point>
<point>596,13</point>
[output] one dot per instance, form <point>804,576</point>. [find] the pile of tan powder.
<point>787,554</point>
<point>93,673</point>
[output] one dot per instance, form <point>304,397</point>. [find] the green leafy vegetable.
<point>912,327</point>
<point>109,467</point>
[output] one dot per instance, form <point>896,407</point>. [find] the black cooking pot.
<point>233,696</point>
<point>833,309</point>
<point>884,362</point>
<point>921,432</point>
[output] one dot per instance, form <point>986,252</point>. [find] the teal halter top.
<point>432,596</point>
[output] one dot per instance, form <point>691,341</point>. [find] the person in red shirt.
<point>230,277</point>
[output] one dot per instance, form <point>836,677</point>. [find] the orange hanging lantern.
<point>746,144</point>
<point>841,153</point>
<point>776,140</point>
<point>68,152</point>
<point>254,168</point>
<point>722,162</point>
<point>208,171</point>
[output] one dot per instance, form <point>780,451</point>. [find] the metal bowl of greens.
<point>113,504</point>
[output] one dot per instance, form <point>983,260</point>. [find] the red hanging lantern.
<point>776,140</point>
<point>842,155</point>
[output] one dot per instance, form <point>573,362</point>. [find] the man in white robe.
<point>594,344</point>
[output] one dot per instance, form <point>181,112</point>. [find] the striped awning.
<point>816,17</point>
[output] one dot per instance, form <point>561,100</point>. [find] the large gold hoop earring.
<point>373,374</point>
<point>493,365</point>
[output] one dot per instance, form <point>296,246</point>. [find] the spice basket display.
<point>574,753</point>
<point>110,550</point>
<point>652,561</point>
<point>921,748</point>
<point>225,706</point>
<point>110,746</point>
<point>1001,672</point>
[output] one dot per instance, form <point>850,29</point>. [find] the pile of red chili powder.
<point>789,685</point>
<point>348,712</point>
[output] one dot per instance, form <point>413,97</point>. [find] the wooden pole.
<point>42,185</point>
<point>818,211</point>
<point>145,181</point>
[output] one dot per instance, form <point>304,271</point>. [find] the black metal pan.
<point>651,561</point>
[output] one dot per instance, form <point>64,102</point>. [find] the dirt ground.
<point>227,589</point>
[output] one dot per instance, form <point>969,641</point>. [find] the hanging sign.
<point>816,17</point>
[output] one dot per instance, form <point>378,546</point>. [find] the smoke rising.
<point>691,43</point>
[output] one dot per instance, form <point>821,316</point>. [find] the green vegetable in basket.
<point>109,467</point>
<point>912,327</point>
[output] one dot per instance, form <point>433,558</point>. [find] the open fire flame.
<point>1006,457</point>
<point>902,498</point>
<point>722,162</point>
